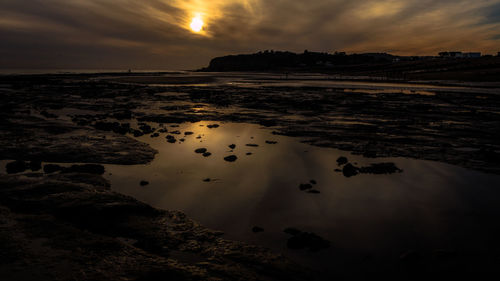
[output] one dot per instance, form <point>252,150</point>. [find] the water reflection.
<point>428,206</point>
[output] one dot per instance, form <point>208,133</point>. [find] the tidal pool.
<point>428,207</point>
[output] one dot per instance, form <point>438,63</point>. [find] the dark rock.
<point>410,257</point>
<point>144,183</point>
<point>307,240</point>
<point>349,170</point>
<point>138,133</point>
<point>292,231</point>
<point>230,158</point>
<point>268,122</point>
<point>342,160</point>
<point>313,182</point>
<point>338,170</point>
<point>146,129</point>
<point>182,140</point>
<point>213,126</point>
<point>380,168</point>
<point>176,132</point>
<point>252,144</point>
<point>163,130</point>
<point>113,127</point>
<point>87,169</point>
<point>171,139</point>
<point>207,154</point>
<point>444,254</point>
<point>16,167</point>
<point>188,133</point>
<point>232,146</point>
<point>52,168</point>
<point>313,191</point>
<point>200,150</point>
<point>305,186</point>
<point>257,229</point>
<point>155,135</point>
<point>125,114</point>
<point>271,142</point>
<point>207,180</point>
<point>47,114</point>
<point>249,153</point>
<point>35,165</point>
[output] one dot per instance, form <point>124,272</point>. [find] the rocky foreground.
<point>70,226</point>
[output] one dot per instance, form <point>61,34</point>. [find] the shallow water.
<point>257,80</point>
<point>428,206</point>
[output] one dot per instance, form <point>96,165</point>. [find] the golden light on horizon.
<point>196,24</point>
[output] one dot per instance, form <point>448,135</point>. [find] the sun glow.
<point>197,24</point>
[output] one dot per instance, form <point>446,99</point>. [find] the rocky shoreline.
<point>71,226</point>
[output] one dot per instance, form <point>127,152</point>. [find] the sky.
<point>156,34</point>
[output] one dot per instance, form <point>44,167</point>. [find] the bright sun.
<point>196,24</point>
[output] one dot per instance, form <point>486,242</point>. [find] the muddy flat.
<point>342,178</point>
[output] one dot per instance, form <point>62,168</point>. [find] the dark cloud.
<point>154,33</point>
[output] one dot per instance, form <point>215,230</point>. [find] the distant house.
<point>451,54</point>
<point>471,55</point>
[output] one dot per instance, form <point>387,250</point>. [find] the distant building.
<point>451,54</point>
<point>472,55</point>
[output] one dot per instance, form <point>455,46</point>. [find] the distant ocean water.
<point>78,71</point>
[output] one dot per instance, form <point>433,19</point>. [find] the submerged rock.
<point>144,183</point>
<point>313,182</point>
<point>257,229</point>
<point>213,126</point>
<point>380,168</point>
<point>200,150</point>
<point>171,139</point>
<point>16,167</point>
<point>35,165</point>
<point>271,142</point>
<point>52,168</point>
<point>232,146</point>
<point>230,158</point>
<point>188,133</point>
<point>87,169</point>
<point>138,133</point>
<point>291,231</point>
<point>313,191</point>
<point>305,186</point>
<point>349,170</point>
<point>268,122</point>
<point>307,240</point>
<point>146,129</point>
<point>252,144</point>
<point>301,240</point>
<point>207,154</point>
<point>342,160</point>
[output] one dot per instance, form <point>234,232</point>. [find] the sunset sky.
<point>157,34</point>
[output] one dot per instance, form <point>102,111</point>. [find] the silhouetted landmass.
<point>486,68</point>
<point>271,60</point>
